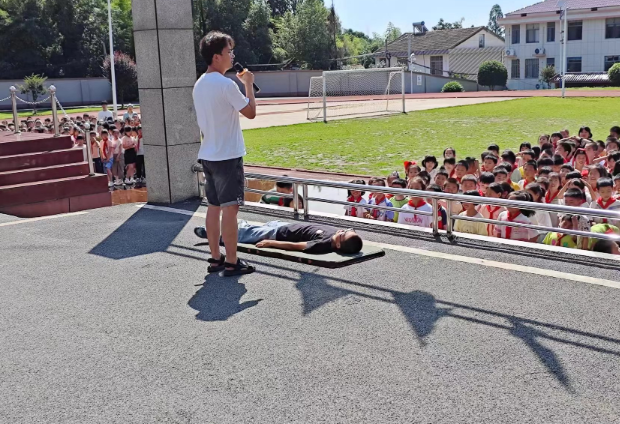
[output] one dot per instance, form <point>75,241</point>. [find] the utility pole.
<point>112,64</point>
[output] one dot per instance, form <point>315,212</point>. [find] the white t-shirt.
<point>217,101</point>
<point>407,217</point>
<point>104,115</point>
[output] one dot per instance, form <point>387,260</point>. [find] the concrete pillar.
<point>164,40</point>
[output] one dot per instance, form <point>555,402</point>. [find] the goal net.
<point>356,92</point>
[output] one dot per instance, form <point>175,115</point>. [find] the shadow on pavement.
<point>220,298</point>
<point>147,231</point>
<point>421,309</point>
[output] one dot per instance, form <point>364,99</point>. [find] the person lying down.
<point>301,237</point>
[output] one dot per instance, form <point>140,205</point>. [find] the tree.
<point>614,74</point>
<point>126,76</point>
<point>392,32</point>
<point>492,74</point>
<point>547,74</point>
<point>313,35</point>
<point>256,28</point>
<point>494,26</point>
<point>441,25</point>
<point>34,85</point>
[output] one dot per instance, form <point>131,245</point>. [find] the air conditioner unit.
<point>539,52</point>
<point>511,53</point>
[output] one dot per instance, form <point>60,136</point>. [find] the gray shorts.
<point>224,182</point>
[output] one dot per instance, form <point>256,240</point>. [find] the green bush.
<point>452,87</point>
<point>492,74</point>
<point>614,74</point>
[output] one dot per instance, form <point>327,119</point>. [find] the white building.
<point>534,40</point>
<point>445,52</point>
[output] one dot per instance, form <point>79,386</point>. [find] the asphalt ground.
<point>107,317</point>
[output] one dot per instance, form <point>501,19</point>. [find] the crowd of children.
<point>558,169</point>
<point>116,144</point>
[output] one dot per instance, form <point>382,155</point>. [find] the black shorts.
<point>224,182</point>
<point>130,156</point>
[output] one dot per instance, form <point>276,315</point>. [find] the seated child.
<point>274,199</point>
<point>406,216</point>
<point>356,197</point>
<point>606,200</point>
<point>489,162</point>
<point>551,197</point>
<point>461,170</point>
<point>441,178</point>
<point>412,170</point>
<point>563,240</point>
<point>501,172</point>
<point>379,199</point>
<point>429,163</point>
<point>468,183</point>
<point>517,215</point>
<point>302,237</point>
<point>442,214</point>
<point>399,200</point>
<point>493,191</point>
<point>530,169</point>
<point>449,165</point>
<point>485,180</point>
<point>452,187</point>
<point>576,198</point>
<point>470,227</point>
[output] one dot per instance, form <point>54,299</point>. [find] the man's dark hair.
<point>214,43</point>
<point>558,160</point>
<point>568,166</point>
<point>499,170</point>
<point>449,161</point>
<point>574,175</point>
<point>493,148</point>
<point>615,129</point>
<point>546,146</point>
<point>557,135</point>
<point>351,245</point>
<point>531,163</point>
<point>545,170</point>
<point>492,157</point>
<point>281,184</point>
<point>104,103</point>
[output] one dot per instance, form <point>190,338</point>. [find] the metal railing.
<point>435,198</point>
<point>52,98</point>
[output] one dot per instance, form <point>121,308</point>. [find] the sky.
<point>371,16</point>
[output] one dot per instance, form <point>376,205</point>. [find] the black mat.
<point>329,260</point>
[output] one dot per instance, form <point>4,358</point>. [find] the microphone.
<point>241,70</point>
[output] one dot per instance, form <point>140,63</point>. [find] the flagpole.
<point>112,64</point>
<point>564,49</point>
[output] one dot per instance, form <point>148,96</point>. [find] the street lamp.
<point>112,59</point>
<point>564,14</point>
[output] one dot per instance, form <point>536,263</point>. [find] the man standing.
<point>104,114</point>
<point>218,102</point>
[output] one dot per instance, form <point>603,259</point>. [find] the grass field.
<point>376,146</point>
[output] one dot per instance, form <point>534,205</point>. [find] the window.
<point>516,34</point>
<point>575,30</point>
<point>532,33</point>
<point>550,32</point>
<point>551,61</point>
<point>611,61</point>
<point>574,64</point>
<point>481,41</point>
<point>531,68</point>
<point>437,65</point>
<point>612,28</point>
<point>516,69</point>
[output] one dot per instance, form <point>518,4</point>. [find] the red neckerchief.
<point>549,199</point>
<point>452,173</point>
<point>515,167</point>
<point>353,208</point>
<point>281,201</point>
<point>605,205</point>
<point>510,218</point>
<point>526,182</point>
<point>420,204</point>
<point>105,149</point>
<point>492,210</point>
<point>389,196</point>
<point>376,212</point>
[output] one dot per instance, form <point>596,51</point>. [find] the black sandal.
<point>240,268</point>
<point>200,232</point>
<point>217,265</point>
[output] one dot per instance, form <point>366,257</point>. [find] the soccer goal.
<point>356,92</point>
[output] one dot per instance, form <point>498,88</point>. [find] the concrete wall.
<point>70,92</point>
<point>281,83</point>
<point>592,48</point>
<point>425,83</point>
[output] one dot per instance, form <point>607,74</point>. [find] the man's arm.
<point>248,81</point>
<point>282,245</point>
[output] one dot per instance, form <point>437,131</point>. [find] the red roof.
<point>552,5</point>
